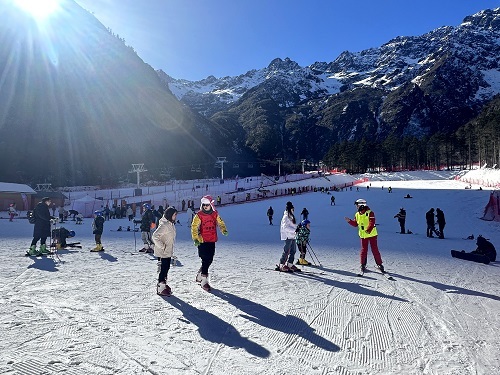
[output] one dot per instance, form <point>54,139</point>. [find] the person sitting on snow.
<point>59,237</point>
<point>486,248</point>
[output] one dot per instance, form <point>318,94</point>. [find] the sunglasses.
<point>206,204</point>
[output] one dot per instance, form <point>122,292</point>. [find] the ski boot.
<point>303,261</point>
<point>198,276</point>
<point>204,282</point>
<point>162,289</point>
<point>292,268</point>
<point>363,268</point>
<point>44,250</point>
<point>381,268</point>
<point>33,251</point>
<point>98,247</point>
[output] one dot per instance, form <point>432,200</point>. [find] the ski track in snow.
<point>97,313</point>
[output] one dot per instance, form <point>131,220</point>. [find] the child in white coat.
<point>164,238</point>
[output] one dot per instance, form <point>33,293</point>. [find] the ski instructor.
<point>364,219</point>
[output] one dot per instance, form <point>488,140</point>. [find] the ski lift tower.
<point>220,164</point>
<point>303,161</point>
<point>138,168</point>
<point>279,160</point>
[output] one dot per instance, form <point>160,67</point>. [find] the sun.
<point>38,9</point>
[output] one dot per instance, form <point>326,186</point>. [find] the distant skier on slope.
<point>364,219</point>
<point>204,235</point>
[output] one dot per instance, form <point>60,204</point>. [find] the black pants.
<point>206,252</point>
<point>97,237</point>
<point>441,230</point>
<point>164,268</point>
<point>43,240</point>
<point>302,249</point>
<point>402,226</point>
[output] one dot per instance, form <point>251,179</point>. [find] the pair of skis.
<point>384,273</point>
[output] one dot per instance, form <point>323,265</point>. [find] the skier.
<point>332,201</point>
<point>429,218</point>
<point>441,222</point>
<point>147,221</point>
<point>302,237</point>
<point>270,213</point>
<point>204,235</point>
<point>97,229</point>
<point>164,238</point>
<point>41,229</point>
<point>401,216</point>
<point>287,233</point>
<point>12,212</point>
<point>364,219</point>
<point>305,214</point>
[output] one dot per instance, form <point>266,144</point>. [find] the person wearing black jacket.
<point>401,216</point>
<point>270,213</point>
<point>441,222</point>
<point>42,227</point>
<point>429,218</point>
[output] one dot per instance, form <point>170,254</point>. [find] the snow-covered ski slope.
<point>97,313</point>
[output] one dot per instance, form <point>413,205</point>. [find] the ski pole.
<point>312,251</point>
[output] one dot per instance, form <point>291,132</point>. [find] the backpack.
<point>31,217</point>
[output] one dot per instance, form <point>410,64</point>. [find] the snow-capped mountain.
<point>472,47</point>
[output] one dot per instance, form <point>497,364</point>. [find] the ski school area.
<point>80,312</point>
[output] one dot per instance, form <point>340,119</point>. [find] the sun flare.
<point>39,9</point>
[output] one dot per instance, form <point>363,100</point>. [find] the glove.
<point>196,243</point>
<point>225,233</point>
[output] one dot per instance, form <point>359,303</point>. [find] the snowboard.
<point>469,256</point>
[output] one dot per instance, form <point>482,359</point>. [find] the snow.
<point>97,313</point>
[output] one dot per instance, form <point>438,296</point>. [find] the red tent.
<point>492,209</point>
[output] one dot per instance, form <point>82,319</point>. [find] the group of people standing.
<point>431,223</point>
<point>204,235</point>
<point>294,234</point>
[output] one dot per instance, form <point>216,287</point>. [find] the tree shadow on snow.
<point>44,264</point>
<point>351,287</point>
<point>450,288</point>
<point>268,318</point>
<point>216,330</point>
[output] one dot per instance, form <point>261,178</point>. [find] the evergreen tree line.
<point>478,142</point>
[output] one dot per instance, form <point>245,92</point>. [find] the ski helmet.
<point>71,233</point>
<point>98,213</point>
<point>146,206</point>
<point>360,201</point>
<point>305,222</point>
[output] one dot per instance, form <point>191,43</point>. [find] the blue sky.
<point>193,39</point>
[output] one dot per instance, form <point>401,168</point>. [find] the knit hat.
<point>169,212</point>
<point>207,199</point>
<point>289,206</point>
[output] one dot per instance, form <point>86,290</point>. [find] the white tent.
<point>87,205</point>
<point>492,209</point>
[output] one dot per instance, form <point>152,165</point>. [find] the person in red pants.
<point>364,219</point>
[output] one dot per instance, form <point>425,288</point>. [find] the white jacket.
<point>287,227</point>
<point>164,238</point>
